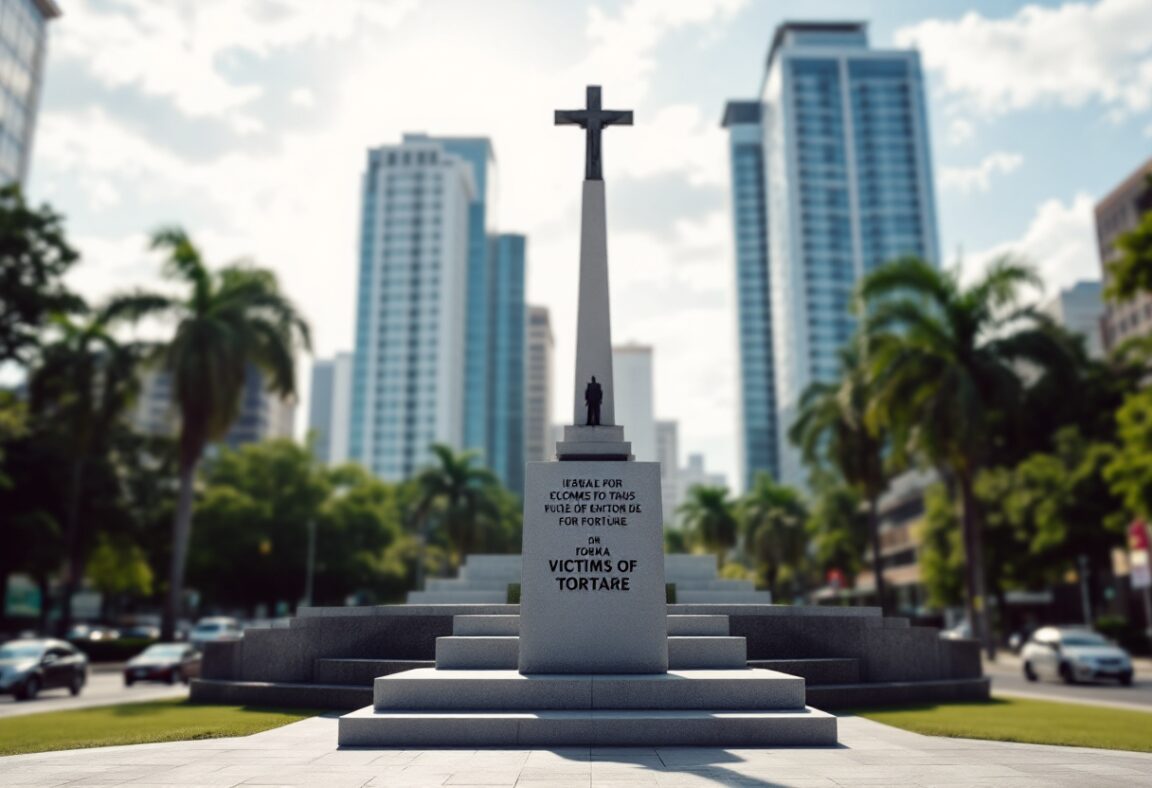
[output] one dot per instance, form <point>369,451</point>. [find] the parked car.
<point>170,662</point>
<point>1074,654</point>
<point>215,628</point>
<point>29,666</point>
<point>141,632</point>
<point>962,631</point>
<point>92,632</point>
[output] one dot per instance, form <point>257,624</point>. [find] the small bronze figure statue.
<point>593,396</point>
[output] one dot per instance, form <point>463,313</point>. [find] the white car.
<point>1074,655</point>
<point>216,628</point>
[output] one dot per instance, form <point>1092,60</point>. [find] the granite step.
<point>361,672</point>
<point>472,626</point>
<point>280,693</point>
<point>816,672</point>
<point>502,652</point>
<point>636,728</point>
<point>509,690</point>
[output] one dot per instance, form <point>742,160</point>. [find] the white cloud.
<point>960,130</point>
<point>978,178</point>
<point>179,49</point>
<point>1066,55</point>
<point>302,97</point>
<point>1060,241</point>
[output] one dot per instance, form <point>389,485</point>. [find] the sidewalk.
<point>305,753</point>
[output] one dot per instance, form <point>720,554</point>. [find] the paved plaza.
<point>305,753</point>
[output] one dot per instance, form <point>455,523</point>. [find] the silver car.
<point>28,666</point>
<point>1075,655</point>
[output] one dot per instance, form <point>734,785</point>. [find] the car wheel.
<point>1029,673</point>
<point>1067,674</point>
<point>77,684</point>
<point>30,689</point>
<point>128,682</point>
<point>1126,679</point>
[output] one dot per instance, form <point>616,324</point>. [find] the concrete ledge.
<point>509,690</point>
<point>486,625</point>
<point>898,693</point>
<point>698,625</point>
<point>266,693</point>
<point>487,652</point>
<point>362,672</point>
<point>685,652</point>
<point>806,727</point>
<point>815,672</point>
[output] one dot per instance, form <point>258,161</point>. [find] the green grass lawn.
<point>1025,720</point>
<point>136,723</point>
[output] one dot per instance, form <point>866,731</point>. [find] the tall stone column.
<point>594,319</point>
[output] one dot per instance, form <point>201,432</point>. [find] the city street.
<point>1008,678</point>
<point>105,687</point>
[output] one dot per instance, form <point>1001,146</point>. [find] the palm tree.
<point>85,381</point>
<point>945,360</point>
<point>229,319</point>
<point>461,498</point>
<point>832,428</point>
<point>773,518</point>
<point>711,515</point>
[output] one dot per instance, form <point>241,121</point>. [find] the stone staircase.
<point>475,696</point>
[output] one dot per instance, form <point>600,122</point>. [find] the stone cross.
<point>593,120</point>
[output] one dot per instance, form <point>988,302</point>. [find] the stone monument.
<point>592,594</point>
<point>593,658</point>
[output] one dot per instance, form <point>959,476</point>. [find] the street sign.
<point>1141,576</point>
<point>1138,536</point>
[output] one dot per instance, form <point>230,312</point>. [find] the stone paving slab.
<point>305,753</point>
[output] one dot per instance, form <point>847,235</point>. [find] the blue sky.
<point>247,122</point>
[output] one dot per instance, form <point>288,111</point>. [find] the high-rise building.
<point>847,183</point>
<point>632,378</point>
<point>23,40</point>
<point>263,415</point>
<point>538,386</point>
<point>505,368</point>
<point>1116,214</point>
<point>409,367</point>
<point>668,455</point>
<point>694,474</point>
<point>329,408</point>
<point>757,401</point>
<point>478,364</point>
<point>1080,309</point>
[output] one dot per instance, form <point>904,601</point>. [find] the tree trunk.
<point>45,600</point>
<point>976,596</point>
<point>73,551</point>
<point>877,559</point>
<point>181,532</point>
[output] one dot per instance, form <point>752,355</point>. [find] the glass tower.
<point>757,387</point>
<point>847,186</point>
<point>409,367</point>
<point>506,349</point>
<point>23,36</point>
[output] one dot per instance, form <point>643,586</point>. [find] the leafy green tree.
<point>941,549</point>
<point>945,360</point>
<point>710,515</point>
<point>13,425</point>
<point>457,501</point>
<point>837,528</point>
<point>772,518</point>
<point>118,568</point>
<point>250,539</point>
<point>1131,272</point>
<point>84,383</point>
<point>833,430</point>
<point>1129,473</point>
<point>34,256</point>
<point>230,318</point>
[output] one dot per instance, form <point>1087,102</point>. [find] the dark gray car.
<point>29,666</point>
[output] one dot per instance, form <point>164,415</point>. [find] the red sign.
<point>1138,536</point>
<point>835,579</point>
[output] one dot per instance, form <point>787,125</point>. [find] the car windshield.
<point>163,650</point>
<point>207,629</point>
<point>21,651</point>
<point>1083,639</point>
